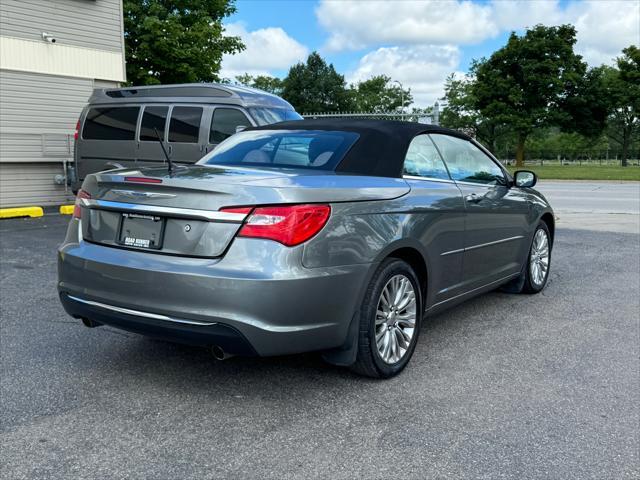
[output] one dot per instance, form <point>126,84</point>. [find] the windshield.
<point>267,116</point>
<point>314,149</point>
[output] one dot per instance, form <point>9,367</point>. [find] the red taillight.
<point>245,210</point>
<point>288,224</point>
<point>77,209</point>
<point>76,134</point>
<point>142,180</point>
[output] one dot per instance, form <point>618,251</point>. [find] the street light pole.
<point>401,96</point>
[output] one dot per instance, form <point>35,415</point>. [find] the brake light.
<point>288,224</point>
<point>77,207</point>
<point>142,180</point>
<point>76,134</point>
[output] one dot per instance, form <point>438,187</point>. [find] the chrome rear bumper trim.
<point>139,313</point>
<point>211,216</point>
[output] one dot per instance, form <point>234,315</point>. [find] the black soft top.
<point>381,147</point>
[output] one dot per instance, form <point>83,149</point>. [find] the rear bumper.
<point>258,298</point>
<point>167,328</point>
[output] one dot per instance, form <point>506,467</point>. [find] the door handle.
<point>473,198</point>
<point>170,149</point>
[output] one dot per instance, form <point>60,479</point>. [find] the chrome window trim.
<point>211,216</point>
<point>430,179</point>
<point>488,185</point>
<point>481,245</point>
<point>138,313</point>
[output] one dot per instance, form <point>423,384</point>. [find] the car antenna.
<point>166,155</point>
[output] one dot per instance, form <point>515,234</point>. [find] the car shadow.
<point>195,370</point>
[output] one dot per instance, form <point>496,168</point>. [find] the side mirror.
<point>524,179</point>
<point>240,128</point>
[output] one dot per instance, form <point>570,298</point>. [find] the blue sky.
<point>418,42</point>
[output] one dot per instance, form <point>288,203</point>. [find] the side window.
<point>111,123</point>
<point>466,162</point>
<point>224,123</point>
<point>423,159</point>
<point>184,126</point>
<point>153,117</point>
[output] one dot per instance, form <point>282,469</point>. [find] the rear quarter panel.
<point>429,220</point>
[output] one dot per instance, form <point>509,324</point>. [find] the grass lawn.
<point>583,172</point>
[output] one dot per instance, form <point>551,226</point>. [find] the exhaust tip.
<point>90,323</point>
<point>219,354</point>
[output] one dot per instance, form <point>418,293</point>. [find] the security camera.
<point>48,37</point>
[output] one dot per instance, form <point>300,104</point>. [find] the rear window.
<point>110,123</point>
<point>313,149</point>
<point>184,126</point>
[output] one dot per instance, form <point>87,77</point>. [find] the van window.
<point>110,123</point>
<point>153,117</point>
<point>267,116</point>
<point>184,126</point>
<point>224,123</point>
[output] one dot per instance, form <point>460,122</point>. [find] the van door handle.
<point>170,149</point>
<point>473,198</point>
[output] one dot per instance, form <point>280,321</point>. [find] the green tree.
<point>315,86</point>
<point>623,91</point>
<point>176,41</point>
<point>461,112</point>
<point>266,83</point>
<point>526,83</point>
<point>379,94</point>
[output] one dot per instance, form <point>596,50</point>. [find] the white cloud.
<point>267,49</point>
<point>358,24</point>
<point>518,14</point>
<point>420,41</point>
<point>423,68</point>
<point>604,26</point>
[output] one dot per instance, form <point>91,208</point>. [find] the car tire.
<point>526,282</point>
<point>386,339</point>
<point>540,254</point>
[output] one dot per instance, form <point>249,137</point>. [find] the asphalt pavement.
<point>603,206</point>
<point>504,386</point>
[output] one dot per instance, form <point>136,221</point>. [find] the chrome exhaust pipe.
<point>219,353</point>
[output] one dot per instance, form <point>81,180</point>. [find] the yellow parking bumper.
<point>21,212</point>
<point>66,209</point>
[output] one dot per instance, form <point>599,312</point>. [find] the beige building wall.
<point>44,86</point>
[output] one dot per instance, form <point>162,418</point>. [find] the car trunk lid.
<point>181,214</point>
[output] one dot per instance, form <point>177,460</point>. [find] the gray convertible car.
<point>330,235</point>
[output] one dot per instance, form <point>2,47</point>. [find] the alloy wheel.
<point>395,319</point>
<point>539,258</point>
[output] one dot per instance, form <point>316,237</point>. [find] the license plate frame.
<point>131,231</point>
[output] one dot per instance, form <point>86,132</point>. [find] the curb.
<point>32,212</point>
